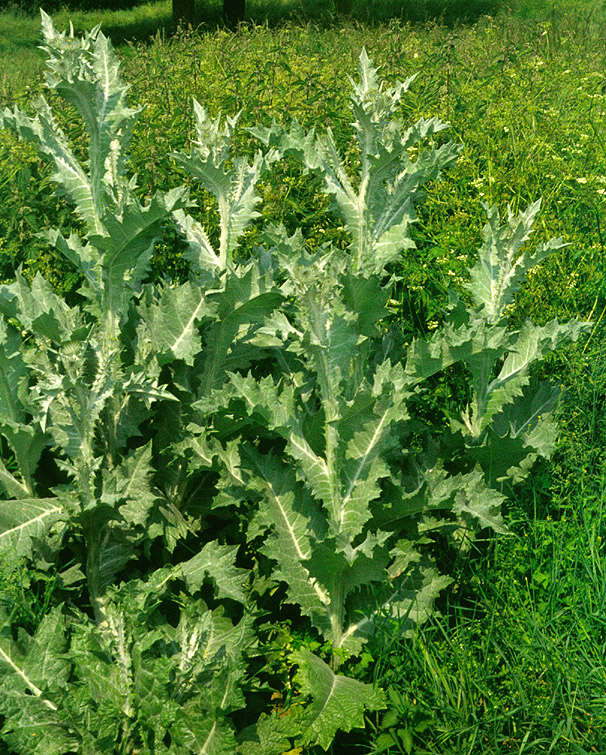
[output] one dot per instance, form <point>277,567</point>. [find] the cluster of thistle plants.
<point>177,452</point>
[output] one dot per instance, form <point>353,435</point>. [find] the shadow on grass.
<point>275,13</point>
<point>142,29</point>
<point>333,12</point>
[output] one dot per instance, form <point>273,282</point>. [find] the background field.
<point>515,663</point>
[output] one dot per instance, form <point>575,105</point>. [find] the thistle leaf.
<point>44,131</point>
<point>234,189</point>
<point>291,518</point>
<point>239,311</point>
<point>44,664</point>
<point>109,550</point>
<point>33,671</point>
<point>200,253</point>
<point>478,505</point>
<point>25,438</point>
<point>277,409</point>
<point>128,486</point>
<point>337,702</point>
<point>24,520</point>
<point>364,468</point>
<point>531,343</point>
<point>13,487</point>
<point>83,257</point>
<point>415,585</point>
<point>204,734</point>
<point>217,562</point>
<point>477,344</point>
<point>270,735</point>
<point>12,370</point>
<point>172,323</point>
<point>379,207</point>
<point>127,244</point>
<point>500,270</point>
<point>41,311</point>
<point>86,73</point>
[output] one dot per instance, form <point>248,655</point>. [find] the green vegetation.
<point>514,660</point>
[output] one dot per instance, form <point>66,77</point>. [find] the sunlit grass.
<point>21,62</point>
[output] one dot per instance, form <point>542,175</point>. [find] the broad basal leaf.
<point>290,519</point>
<point>202,733</point>
<point>337,702</point>
<point>408,598</point>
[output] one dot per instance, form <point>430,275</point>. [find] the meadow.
<point>513,659</point>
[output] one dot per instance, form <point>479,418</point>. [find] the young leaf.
<point>120,231</point>
<point>234,189</point>
<point>379,207</point>
<point>499,271</point>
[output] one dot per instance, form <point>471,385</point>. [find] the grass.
<point>19,31</point>
<point>515,663</point>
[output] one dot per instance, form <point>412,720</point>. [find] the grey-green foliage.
<point>268,394</point>
<point>233,186</point>
<point>80,394</point>
<point>379,206</point>
<point>348,507</point>
<point>137,677</point>
<point>81,381</point>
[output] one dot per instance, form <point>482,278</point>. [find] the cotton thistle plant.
<point>270,395</point>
